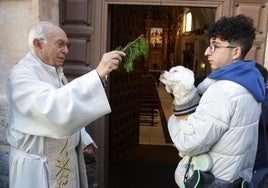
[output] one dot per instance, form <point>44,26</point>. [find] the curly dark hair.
<point>238,30</point>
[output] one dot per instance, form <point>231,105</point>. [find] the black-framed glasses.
<point>212,47</point>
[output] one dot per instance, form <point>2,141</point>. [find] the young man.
<point>48,114</point>
<point>225,123</point>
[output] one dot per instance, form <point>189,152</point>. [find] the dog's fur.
<point>178,80</point>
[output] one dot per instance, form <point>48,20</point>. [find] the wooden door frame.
<point>102,42</point>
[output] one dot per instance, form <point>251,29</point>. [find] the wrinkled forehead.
<point>55,33</point>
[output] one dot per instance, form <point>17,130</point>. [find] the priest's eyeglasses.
<point>212,47</point>
<point>62,44</point>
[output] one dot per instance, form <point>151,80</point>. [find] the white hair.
<point>38,32</point>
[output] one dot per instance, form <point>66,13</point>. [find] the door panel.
<point>75,7</point>
<point>76,20</point>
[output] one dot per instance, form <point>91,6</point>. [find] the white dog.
<point>179,81</point>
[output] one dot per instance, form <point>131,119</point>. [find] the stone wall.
<point>16,19</point>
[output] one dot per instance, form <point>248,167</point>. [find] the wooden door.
<point>76,18</point>
<point>81,22</point>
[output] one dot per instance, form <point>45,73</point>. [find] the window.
<point>188,22</point>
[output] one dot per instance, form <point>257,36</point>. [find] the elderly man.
<point>48,115</point>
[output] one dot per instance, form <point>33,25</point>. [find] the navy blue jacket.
<point>262,151</point>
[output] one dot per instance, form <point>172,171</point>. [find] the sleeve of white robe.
<point>86,139</point>
<point>43,110</point>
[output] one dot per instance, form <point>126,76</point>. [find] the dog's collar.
<point>185,111</point>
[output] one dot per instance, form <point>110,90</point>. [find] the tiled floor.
<point>154,134</point>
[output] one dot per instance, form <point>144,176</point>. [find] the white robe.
<point>47,119</point>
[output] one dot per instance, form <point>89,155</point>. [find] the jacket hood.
<point>244,73</point>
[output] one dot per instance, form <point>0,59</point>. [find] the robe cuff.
<point>103,81</point>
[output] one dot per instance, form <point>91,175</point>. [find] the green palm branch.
<point>133,50</point>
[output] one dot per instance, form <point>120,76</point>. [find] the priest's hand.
<point>109,62</point>
<point>89,149</point>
